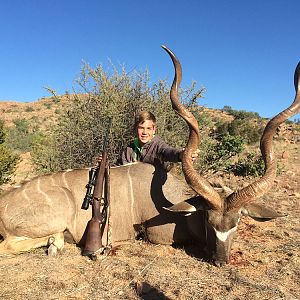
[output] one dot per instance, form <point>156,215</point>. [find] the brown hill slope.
<point>46,110</point>
<point>41,112</point>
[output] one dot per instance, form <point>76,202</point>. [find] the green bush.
<point>8,160</point>
<point>47,105</point>
<point>29,109</point>
<point>241,114</point>
<point>55,100</point>
<point>20,136</point>
<point>251,165</point>
<point>248,130</point>
<point>77,139</point>
<point>2,134</point>
<point>246,125</point>
<point>43,153</point>
<point>217,155</point>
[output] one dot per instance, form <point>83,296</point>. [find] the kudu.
<point>144,200</point>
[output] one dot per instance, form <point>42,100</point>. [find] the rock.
<point>264,260</point>
<point>142,288</point>
<point>285,155</point>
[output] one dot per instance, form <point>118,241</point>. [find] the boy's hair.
<point>143,116</point>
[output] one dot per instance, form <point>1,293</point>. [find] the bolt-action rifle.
<point>97,196</point>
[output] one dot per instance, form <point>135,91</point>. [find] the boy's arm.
<point>168,153</point>
<point>126,156</point>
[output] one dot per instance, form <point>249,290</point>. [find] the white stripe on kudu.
<point>223,236</point>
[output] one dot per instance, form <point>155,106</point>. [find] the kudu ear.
<point>188,206</point>
<point>260,212</point>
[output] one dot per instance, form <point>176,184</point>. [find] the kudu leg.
<point>56,242</point>
<point>13,245</point>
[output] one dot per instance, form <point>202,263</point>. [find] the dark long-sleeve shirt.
<point>155,152</point>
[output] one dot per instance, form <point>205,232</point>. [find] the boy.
<point>149,148</point>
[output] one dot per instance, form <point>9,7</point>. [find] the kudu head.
<point>224,212</point>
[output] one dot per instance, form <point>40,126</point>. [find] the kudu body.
<point>37,213</point>
<point>144,199</point>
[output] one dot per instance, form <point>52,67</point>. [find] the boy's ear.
<point>154,128</point>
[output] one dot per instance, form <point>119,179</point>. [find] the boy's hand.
<point>194,155</point>
<point>99,159</point>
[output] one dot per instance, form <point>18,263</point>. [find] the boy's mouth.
<point>144,138</point>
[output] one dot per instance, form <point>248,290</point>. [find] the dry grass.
<point>265,265</point>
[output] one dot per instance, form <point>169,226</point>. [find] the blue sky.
<point>243,52</point>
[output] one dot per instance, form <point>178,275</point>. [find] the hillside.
<point>46,111</point>
<point>42,112</point>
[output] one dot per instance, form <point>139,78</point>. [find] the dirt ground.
<point>265,262</point>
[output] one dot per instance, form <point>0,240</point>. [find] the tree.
<point>119,95</point>
<point>76,140</point>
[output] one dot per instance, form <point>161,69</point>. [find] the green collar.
<point>138,150</point>
<point>137,145</point>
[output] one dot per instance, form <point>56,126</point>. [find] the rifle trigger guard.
<point>102,201</point>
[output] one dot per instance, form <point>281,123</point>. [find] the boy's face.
<point>145,132</point>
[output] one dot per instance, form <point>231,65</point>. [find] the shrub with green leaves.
<point>251,165</point>
<point>77,139</point>
<point>43,153</point>
<point>8,160</point>
<point>250,130</point>
<point>241,114</point>
<point>218,153</point>
<point>29,109</point>
<point>21,136</point>
<point>2,134</point>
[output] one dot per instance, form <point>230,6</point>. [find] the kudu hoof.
<point>52,249</point>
